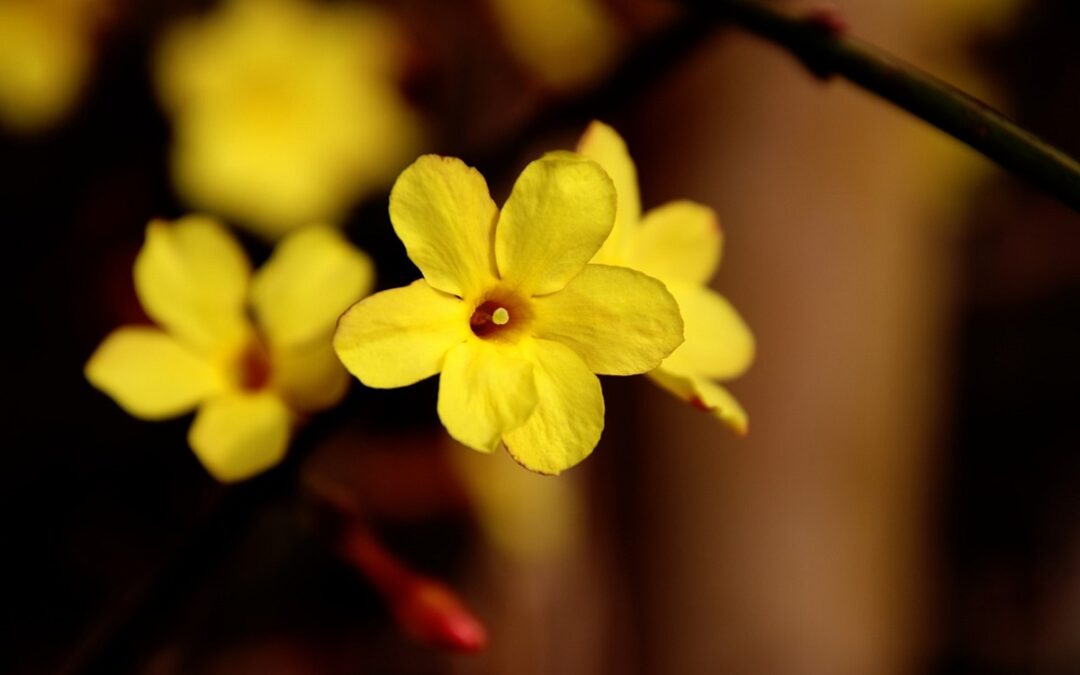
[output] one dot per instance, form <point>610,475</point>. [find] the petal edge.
<point>604,145</point>
<point>312,277</point>
<point>558,215</point>
<point>485,391</point>
<point>191,277</point>
<point>678,241</point>
<point>620,321</point>
<point>706,396</point>
<point>400,336</point>
<point>443,213</point>
<point>719,345</point>
<point>150,374</point>
<point>569,417</point>
<point>236,436</point>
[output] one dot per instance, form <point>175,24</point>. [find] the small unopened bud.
<point>432,613</point>
<point>427,610</point>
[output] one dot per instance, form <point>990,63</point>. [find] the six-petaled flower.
<point>509,311</point>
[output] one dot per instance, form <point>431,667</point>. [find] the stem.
<point>818,41</point>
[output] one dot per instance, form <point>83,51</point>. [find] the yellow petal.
<point>620,321</point>
<point>401,336</point>
<point>706,396</point>
<point>485,390</point>
<point>604,145</point>
<point>313,276</point>
<point>236,436</point>
<point>558,215</point>
<point>151,375</point>
<point>192,279</point>
<point>443,213</point>
<point>309,376</point>
<point>718,344</point>
<point>569,417</point>
<point>679,241</point>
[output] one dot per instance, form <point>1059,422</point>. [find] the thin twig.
<point>820,42</point>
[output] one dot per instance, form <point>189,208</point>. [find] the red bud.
<point>427,610</point>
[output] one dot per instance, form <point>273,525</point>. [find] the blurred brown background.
<point>908,500</point>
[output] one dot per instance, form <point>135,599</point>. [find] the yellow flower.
<point>285,111</point>
<point>508,310</point>
<point>566,43</point>
<point>45,52</point>
<point>966,17</point>
<point>523,515</point>
<point>251,382</point>
<point>678,243</point>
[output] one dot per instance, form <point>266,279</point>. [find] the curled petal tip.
<point>739,427</point>
<point>699,404</point>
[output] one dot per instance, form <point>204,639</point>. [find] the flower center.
<point>253,369</point>
<point>501,315</point>
<point>489,318</point>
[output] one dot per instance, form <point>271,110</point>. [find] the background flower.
<point>46,50</point>
<point>251,382</point>
<point>679,243</point>
<point>285,112</point>
<point>566,43</point>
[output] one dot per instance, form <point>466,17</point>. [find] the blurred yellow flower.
<point>251,381</point>
<point>509,312</point>
<point>522,514</point>
<point>285,111</point>
<point>949,172</point>
<point>680,244</point>
<point>959,17</point>
<point>566,43</point>
<point>46,49</point>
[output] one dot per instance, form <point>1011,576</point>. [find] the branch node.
<point>828,18</point>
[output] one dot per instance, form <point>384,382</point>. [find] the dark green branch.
<point>820,43</point>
